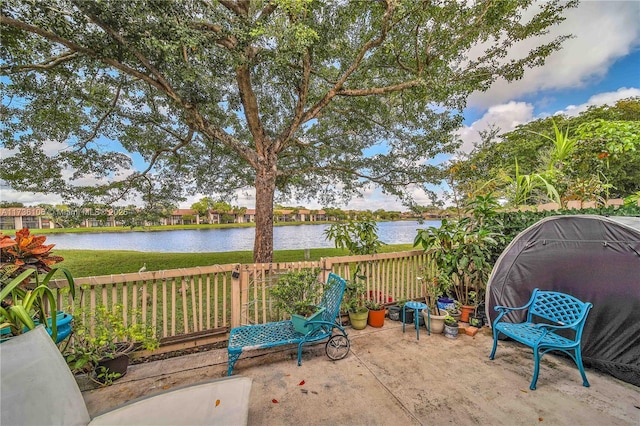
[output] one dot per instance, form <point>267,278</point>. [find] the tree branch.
<point>184,142</point>
<point>166,86</point>
<point>47,64</point>
<point>384,26</point>
<point>81,49</point>
<point>303,92</point>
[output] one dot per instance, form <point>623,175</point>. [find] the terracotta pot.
<point>376,318</point>
<point>466,311</point>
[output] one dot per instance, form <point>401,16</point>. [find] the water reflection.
<point>229,239</point>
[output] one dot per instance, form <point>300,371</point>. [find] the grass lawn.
<point>87,263</point>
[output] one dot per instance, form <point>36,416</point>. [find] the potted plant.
<point>298,293</point>
<point>455,312</point>
<point>395,311</point>
<point>462,249</point>
<point>432,292</point>
<point>25,297</point>
<point>377,312</point>
<point>450,327</point>
<point>100,346</point>
<point>354,304</point>
<point>360,237</point>
<point>478,317</point>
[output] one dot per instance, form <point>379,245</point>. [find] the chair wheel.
<point>337,347</point>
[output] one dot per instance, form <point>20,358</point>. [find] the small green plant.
<point>450,321</point>
<point>373,305</point>
<point>298,292</point>
<point>104,335</point>
<point>473,298</point>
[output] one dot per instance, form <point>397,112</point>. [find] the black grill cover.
<point>597,260</point>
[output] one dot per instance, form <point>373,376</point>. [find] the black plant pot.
<point>395,313</point>
<point>409,318</point>
<point>476,321</point>
<point>107,366</point>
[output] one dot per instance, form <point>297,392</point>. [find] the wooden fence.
<point>195,306</point>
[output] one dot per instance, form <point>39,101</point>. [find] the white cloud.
<point>27,198</point>
<point>603,31</point>
<point>504,116</point>
<point>606,98</point>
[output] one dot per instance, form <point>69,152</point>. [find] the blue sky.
<point>599,65</point>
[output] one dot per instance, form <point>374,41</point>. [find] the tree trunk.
<point>265,190</point>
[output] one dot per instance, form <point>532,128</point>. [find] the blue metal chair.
<point>278,333</point>
<point>562,312</point>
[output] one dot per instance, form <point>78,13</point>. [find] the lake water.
<point>229,239</point>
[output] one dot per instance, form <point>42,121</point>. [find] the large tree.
<point>293,97</point>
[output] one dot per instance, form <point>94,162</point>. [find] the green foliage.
<point>595,157</point>
<point>512,223</point>
<point>521,189</point>
<point>25,271</point>
<point>101,334</point>
<point>563,146</point>
<point>450,321</point>
<point>373,306</point>
<point>298,292</point>
<point>286,95</point>
<point>354,296</point>
<point>463,249</point>
<point>357,236</point>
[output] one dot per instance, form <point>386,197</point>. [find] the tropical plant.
<point>298,292</point>
<point>26,251</point>
<point>25,296</point>
<point>100,334</point>
<point>354,300</point>
<point>431,293</point>
<point>358,236</point>
<point>603,139</point>
<point>521,188</point>
<point>462,249</point>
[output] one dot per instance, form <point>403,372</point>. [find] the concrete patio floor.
<point>390,378</point>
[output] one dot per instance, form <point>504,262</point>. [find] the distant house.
<point>183,217</point>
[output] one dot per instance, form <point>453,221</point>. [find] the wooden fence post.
<point>236,303</point>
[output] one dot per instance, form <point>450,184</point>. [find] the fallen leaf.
<point>165,387</point>
<point>540,419</point>
<point>523,391</point>
<point>301,383</point>
<point>275,401</point>
<point>217,402</point>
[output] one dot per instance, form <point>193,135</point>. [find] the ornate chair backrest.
<point>332,297</point>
